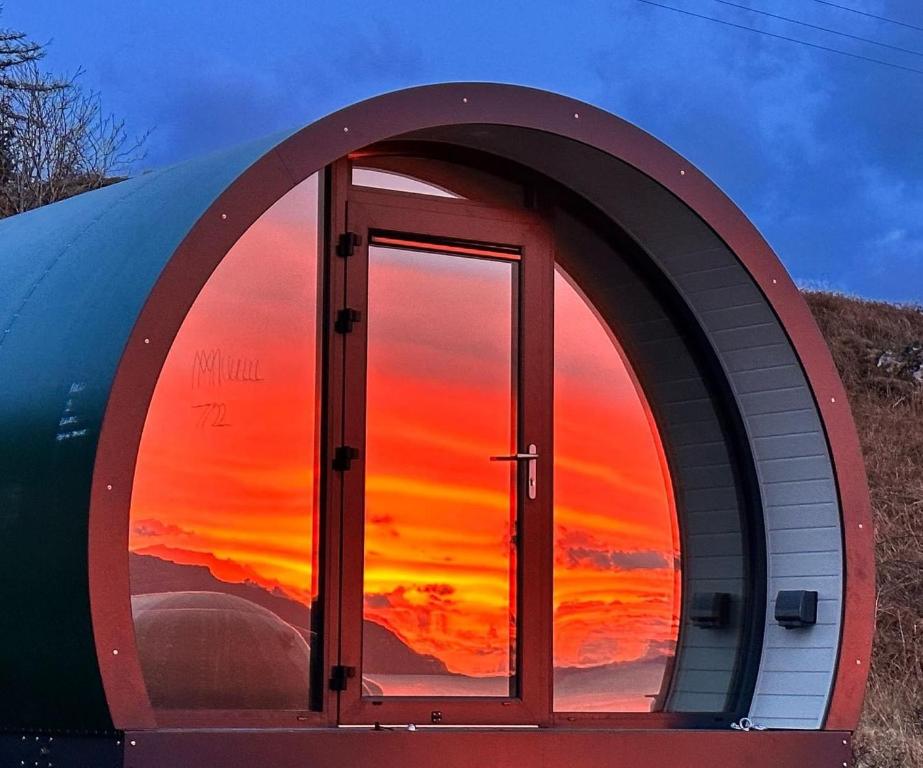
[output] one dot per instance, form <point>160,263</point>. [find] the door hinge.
<point>343,457</point>
<point>339,677</point>
<point>347,244</point>
<point>346,319</point>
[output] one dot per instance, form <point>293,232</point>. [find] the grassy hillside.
<point>878,349</point>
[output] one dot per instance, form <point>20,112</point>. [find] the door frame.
<point>361,211</point>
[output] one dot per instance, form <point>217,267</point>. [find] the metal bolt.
<point>345,129</point>
<point>774,281</point>
<point>860,525</point>
<point>464,99</point>
<point>109,487</point>
<point>576,115</point>
<point>133,743</point>
<point>147,341</point>
<point>224,216</point>
<point>859,662</point>
<point>832,399</point>
<point>682,172</point>
<point>115,651</point>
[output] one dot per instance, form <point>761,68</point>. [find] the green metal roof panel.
<point>75,276</point>
<point>64,263</point>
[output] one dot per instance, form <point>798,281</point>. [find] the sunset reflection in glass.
<point>223,514</point>
<point>616,557</point>
<point>224,519</point>
<point>438,513</point>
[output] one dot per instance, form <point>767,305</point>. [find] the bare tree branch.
<point>55,138</point>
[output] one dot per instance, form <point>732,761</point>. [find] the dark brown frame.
<point>507,187</point>
<point>222,223</point>
<point>320,709</point>
<point>370,210</point>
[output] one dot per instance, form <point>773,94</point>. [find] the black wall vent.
<point>796,608</point>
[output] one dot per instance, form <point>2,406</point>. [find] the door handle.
<point>530,457</point>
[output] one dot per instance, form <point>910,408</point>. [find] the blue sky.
<point>824,153</point>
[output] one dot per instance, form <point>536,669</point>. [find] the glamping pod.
<point>468,425</point>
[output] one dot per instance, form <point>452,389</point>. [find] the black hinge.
<point>347,244</point>
<point>343,457</point>
<point>346,319</point>
<point>339,677</point>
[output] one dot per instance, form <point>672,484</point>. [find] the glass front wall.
<point>440,565</point>
<point>223,535</point>
<point>616,556</point>
<point>224,513</point>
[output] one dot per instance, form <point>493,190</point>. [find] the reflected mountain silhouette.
<point>206,643</point>
<point>384,651</point>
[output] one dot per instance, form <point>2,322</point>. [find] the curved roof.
<point>75,276</point>
<point>69,265</point>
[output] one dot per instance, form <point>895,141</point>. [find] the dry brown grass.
<point>889,416</point>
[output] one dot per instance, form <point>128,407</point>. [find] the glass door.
<point>445,464</point>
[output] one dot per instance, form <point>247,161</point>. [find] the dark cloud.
<point>442,590</point>
<point>820,151</point>
<point>425,607</point>
<point>436,596</point>
<point>153,528</point>
<point>580,548</point>
<point>605,560</point>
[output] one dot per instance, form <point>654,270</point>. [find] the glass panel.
<point>398,182</point>
<point>616,556</point>
<point>439,560</point>
<point>224,509</point>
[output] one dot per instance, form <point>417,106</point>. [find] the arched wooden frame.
<point>338,135</point>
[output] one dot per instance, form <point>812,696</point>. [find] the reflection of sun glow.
<point>380,486</point>
<point>615,580</point>
<point>449,378</point>
<point>226,470</point>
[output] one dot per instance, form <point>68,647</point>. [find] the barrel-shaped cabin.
<point>468,425</point>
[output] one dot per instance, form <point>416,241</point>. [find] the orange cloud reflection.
<point>227,470</point>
